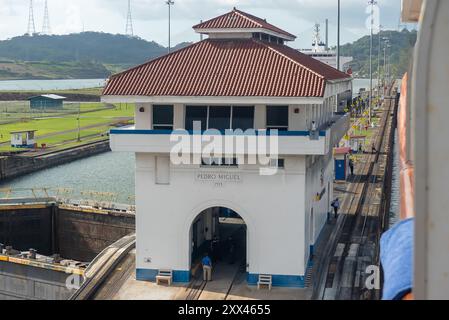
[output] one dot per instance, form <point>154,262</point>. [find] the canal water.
<point>70,84</point>
<point>106,173</point>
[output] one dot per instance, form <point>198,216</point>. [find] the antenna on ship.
<point>129,22</point>
<point>46,25</point>
<point>31,25</point>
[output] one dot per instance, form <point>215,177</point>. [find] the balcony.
<point>290,143</point>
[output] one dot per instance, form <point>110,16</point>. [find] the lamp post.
<point>338,35</point>
<point>169,3</point>
<point>388,66</point>
<point>79,122</point>
<point>370,105</point>
<point>378,62</point>
<point>384,82</point>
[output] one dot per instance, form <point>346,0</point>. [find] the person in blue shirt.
<point>396,254</point>
<point>207,268</point>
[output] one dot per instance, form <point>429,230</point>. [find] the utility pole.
<point>169,3</point>
<point>46,25</point>
<point>31,25</point>
<point>338,36</point>
<point>372,3</point>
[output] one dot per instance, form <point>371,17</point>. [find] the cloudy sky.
<point>150,16</point>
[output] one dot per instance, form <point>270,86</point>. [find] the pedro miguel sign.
<point>218,177</point>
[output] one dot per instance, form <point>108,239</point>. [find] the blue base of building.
<point>150,275</point>
<point>283,281</point>
<point>184,277</point>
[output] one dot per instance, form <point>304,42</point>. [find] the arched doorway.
<point>222,234</point>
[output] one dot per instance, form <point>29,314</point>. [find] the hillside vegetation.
<point>400,52</point>
<point>82,55</point>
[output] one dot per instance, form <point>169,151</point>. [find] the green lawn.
<point>101,122</point>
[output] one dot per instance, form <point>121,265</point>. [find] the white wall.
<point>314,186</point>
<point>272,206</point>
<point>144,120</point>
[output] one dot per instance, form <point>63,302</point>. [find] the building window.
<point>277,118</point>
<point>220,117</point>
<point>162,117</point>
<point>243,118</point>
<point>219,162</point>
<point>277,163</point>
<point>196,114</point>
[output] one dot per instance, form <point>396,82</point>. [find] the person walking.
<point>336,205</point>
<point>373,148</point>
<point>207,268</point>
<point>351,166</point>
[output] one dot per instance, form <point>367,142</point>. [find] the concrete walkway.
<point>222,279</point>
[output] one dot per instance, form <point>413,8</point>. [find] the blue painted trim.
<point>146,274</point>
<point>30,146</point>
<point>181,276</point>
<point>283,281</point>
<point>150,275</point>
<point>182,132</point>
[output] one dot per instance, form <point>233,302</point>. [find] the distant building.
<point>23,139</point>
<point>47,101</point>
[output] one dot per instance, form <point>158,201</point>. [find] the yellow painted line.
<point>19,261</point>
<point>4,258</point>
<point>84,210</point>
<point>21,207</point>
<point>43,265</point>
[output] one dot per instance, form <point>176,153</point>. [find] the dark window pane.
<point>277,116</point>
<point>243,118</point>
<point>194,113</point>
<point>281,163</point>
<point>165,127</point>
<point>162,115</point>
<point>220,118</point>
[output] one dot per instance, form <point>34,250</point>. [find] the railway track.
<point>197,287</point>
<point>353,244</point>
<point>102,266</point>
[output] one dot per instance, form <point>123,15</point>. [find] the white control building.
<point>242,76</point>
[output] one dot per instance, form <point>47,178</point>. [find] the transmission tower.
<point>46,25</point>
<point>129,22</point>
<point>31,24</point>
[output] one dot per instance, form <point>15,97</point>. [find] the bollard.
<point>32,254</point>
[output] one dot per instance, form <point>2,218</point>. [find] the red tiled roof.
<point>236,68</point>
<point>237,19</point>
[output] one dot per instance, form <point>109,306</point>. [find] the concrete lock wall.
<point>22,282</point>
<point>28,228</point>
<point>76,235</point>
<point>82,236</point>
<point>276,236</point>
